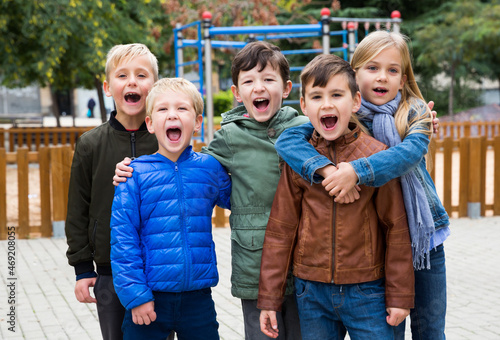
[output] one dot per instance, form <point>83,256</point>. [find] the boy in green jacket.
<point>245,147</point>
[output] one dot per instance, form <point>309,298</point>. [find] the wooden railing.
<point>458,130</point>
<point>34,137</point>
<point>463,170</point>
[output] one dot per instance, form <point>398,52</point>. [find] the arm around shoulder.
<point>293,146</point>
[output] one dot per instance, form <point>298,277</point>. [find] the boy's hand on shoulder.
<point>122,171</point>
<point>341,183</point>
<point>144,314</point>
<point>269,323</point>
<point>82,290</point>
<point>396,315</point>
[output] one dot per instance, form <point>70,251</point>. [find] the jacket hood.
<point>237,114</point>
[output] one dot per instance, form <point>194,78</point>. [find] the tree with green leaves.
<point>454,38</point>
<point>63,44</point>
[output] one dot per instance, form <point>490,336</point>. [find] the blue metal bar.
<point>292,36</point>
<point>296,68</point>
<point>309,51</point>
<point>187,26</point>
<point>336,19</point>
<point>334,33</point>
<point>188,63</point>
<point>265,29</point>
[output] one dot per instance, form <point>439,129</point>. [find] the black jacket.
<point>91,191</point>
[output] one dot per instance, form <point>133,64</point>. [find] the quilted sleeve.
<point>224,200</point>
<point>127,262</point>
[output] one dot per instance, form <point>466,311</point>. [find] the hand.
<point>82,290</point>
<point>122,171</point>
<point>396,315</point>
<point>340,183</point>
<point>435,120</point>
<point>351,196</point>
<point>268,323</point>
<point>144,314</point>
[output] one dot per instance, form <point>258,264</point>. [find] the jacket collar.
<point>348,138</point>
<point>115,124</point>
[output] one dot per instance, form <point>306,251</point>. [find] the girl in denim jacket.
<point>394,111</point>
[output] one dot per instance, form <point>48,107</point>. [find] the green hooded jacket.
<point>245,148</point>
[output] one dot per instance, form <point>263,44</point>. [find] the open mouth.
<point>132,97</point>
<point>329,122</point>
<point>261,104</point>
<point>174,134</point>
<point>380,90</point>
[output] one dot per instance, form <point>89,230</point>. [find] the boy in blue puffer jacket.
<point>162,252</point>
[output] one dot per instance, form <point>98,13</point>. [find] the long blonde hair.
<point>369,48</point>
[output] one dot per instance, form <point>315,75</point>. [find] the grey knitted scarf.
<point>420,219</point>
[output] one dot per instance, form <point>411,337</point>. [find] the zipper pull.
<point>132,144</point>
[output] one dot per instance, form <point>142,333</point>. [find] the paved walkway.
<point>47,309</point>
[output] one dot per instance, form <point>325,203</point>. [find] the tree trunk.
<point>100,95</point>
<point>452,85</point>
<point>55,107</point>
<point>72,105</point>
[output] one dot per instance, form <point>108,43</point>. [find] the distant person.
<point>394,111</point>
<point>91,105</point>
<point>131,71</point>
<point>162,251</point>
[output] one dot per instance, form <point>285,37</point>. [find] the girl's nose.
<point>381,76</point>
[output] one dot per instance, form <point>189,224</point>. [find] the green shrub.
<point>223,101</point>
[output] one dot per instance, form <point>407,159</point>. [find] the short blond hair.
<point>120,53</point>
<point>177,85</point>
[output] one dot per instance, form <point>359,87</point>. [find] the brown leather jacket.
<point>339,243</point>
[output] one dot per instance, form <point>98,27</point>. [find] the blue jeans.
<point>327,310</point>
<point>428,316</point>
<point>190,314</point>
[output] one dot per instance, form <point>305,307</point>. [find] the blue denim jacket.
<point>376,170</point>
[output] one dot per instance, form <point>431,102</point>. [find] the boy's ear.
<point>236,94</point>
<point>303,105</point>
<point>197,123</point>
<point>149,124</point>
<point>106,88</point>
<point>287,89</point>
<point>356,101</point>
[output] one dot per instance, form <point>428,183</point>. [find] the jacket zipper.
<point>334,210</point>
<point>183,230</point>
<point>132,144</point>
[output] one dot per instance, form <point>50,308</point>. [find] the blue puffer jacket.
<point>161,226</point>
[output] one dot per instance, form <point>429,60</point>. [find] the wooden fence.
<point>34,137</point>
<point>460,172</point>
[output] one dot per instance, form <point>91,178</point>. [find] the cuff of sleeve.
<point>363,171</point>
<point>87,275</point>
<point>312,165</point>
<point>84,267</point>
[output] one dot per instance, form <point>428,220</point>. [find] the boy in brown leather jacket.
<point>352,263</point>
